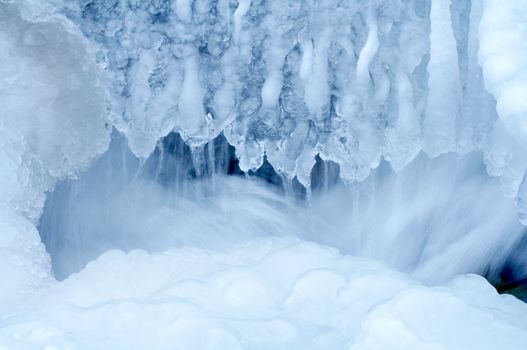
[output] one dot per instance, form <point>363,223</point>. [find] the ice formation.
<point>395,129</point>
<point>353,81</point>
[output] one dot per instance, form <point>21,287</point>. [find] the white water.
<point>435,219</point>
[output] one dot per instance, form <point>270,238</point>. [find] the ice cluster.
<point>235,299</point>
<point>353,81</point>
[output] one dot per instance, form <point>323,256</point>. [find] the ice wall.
<point>502,55</point>
<point>353,81</point>
<point>52,123</point>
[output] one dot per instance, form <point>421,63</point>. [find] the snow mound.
<point>274,293</point>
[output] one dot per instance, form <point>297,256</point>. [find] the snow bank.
<point>274,293</point>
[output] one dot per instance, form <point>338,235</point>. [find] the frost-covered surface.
<point>52,122</point>
<point>353,81</point>
<point>503,55</point>
<point>264,294</point>
<point>53,111</point>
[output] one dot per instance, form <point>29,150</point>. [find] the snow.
<point>415,102</point>
<point>272,293</point>
<point>52,124</point>
<point>502,55</point>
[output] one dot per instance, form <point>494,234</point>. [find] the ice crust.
<point>273,293</point>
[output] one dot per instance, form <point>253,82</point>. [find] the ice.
<point>501,55</point>
<point>437,218</point>
<point>235,299</point>
<point>52,125</point>
<point>262,174</point>
<point>444,91</point>
<point>367,53</point>
<point>355,82</point>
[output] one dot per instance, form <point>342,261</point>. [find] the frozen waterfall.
<point>261,174</point>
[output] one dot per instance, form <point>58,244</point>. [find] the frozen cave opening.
<point>171,199</point>
<point>414,108</point>
<point>435,219</point>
